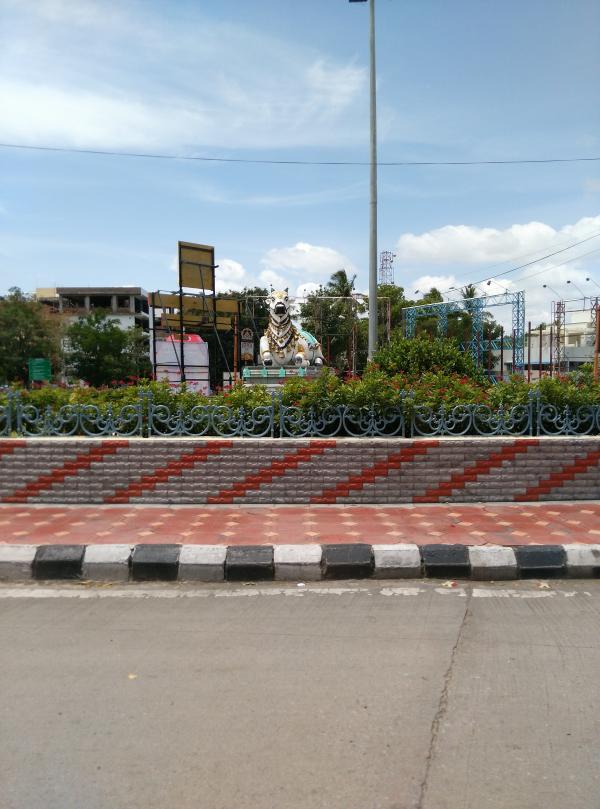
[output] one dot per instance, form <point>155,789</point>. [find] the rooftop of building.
<point>54,292</point>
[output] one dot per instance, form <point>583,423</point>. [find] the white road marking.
<point>134,591</point>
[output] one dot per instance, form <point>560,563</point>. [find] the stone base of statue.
<point>274,378</point>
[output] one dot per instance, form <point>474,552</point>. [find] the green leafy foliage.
<point>27,330</point>
<point>101,353</point>
<point>576,389</point>
<point>424,354</point>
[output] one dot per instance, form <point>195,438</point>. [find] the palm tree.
<point>330,314</point>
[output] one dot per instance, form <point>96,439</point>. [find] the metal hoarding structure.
<point>194,308</point>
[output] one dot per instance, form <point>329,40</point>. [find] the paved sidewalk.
<point>502,524</point>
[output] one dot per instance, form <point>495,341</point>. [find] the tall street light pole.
<point>373,185</point>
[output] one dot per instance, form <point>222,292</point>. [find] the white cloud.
<point>467,244</point>
<point>82,12</point>
<point>212,194</point>
<point>284,267</point>
<point>424,283</point>
<point>303,259</point>
<point>72,76</point>
<point>43,114</point>
<point>518,244</point>
<point>304,290</point>
<point>271,278</point>
<point>230,275</point>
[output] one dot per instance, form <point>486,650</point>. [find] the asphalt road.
<point>345,696</point>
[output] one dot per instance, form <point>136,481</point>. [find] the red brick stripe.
<point>558,479</point>
<point>8,447</point>
<point>186,460</point>
<point>483,467</point>
<point>276,469</point>
<point>370,473</point>
<point>82,460</point>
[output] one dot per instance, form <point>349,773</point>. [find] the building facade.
<point>127,305</point>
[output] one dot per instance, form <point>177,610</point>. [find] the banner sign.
<point>40,369</point>
<point>247,346</point>
<point>196,266</point>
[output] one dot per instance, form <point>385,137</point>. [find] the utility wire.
<point>556,266</point>
<point>269,161</point>
<point>521,256</point>
<point>537,260</point>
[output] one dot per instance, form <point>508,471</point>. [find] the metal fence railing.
<point>147,418</point>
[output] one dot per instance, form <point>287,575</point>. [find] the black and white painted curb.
<point>214,563</point>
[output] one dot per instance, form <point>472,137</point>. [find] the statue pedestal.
<point>274,378</point>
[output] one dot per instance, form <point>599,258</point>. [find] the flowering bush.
<point>377,388</point>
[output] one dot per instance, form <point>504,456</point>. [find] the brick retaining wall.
<point>344,470</point>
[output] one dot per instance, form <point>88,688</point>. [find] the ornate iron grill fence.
<point>403,419</point>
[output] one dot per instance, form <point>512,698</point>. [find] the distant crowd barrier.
<point>148,419</point>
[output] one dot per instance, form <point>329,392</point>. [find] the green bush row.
<point>376,388</point>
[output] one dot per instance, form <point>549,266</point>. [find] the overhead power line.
<point>524,255</point>
<point>271,161</point>
<point>537,260</point>
<point>556,266</point>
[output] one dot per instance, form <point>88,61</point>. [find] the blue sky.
<point>467,80</point>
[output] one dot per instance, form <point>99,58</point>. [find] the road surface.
<point>372,695</point>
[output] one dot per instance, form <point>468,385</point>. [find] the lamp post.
<point>373,185</point>
<point>578,290</point>
<point>547,286</point>
<point>593,282</point>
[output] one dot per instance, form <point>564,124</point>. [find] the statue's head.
<point>279,304</point>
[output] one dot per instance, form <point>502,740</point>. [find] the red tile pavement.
<point>476,524</point>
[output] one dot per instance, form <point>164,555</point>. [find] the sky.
<point>469,80</point>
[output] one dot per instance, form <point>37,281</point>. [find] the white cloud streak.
<point>301,267</point>
<point>91,75</point>
<point>467,244</point>
<point>462,245</point>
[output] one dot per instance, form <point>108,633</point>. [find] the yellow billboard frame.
<point>196,265</point>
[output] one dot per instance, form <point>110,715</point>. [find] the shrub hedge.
<point>376,388</point>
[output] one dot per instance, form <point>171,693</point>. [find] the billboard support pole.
<point>153,336</point>
<point>181,350</point>
<point>235,348</point>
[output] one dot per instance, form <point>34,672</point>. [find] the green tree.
<point>100,352</point>
<point>332,315</point>
<point>391,303</point>
<point>27,330</point>
<point>423,354</point>
<point>427,325</point>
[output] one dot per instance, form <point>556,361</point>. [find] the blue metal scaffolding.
<point>474,307</point>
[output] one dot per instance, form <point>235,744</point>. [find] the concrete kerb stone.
<point>583,561</point>
<point>249,562</point>
<point>155,562</point>
<point>106,562</point>
<point>541,561</point>
<point>347,561</point>
<point>297,562</point>
<point>202,563</point>
<point>58,562</point>
<point>446,561</point>
<point>16,562</point>
<point>493,563</point>
<point>400,561</point>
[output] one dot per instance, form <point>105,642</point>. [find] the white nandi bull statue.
<point>282,343</point>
